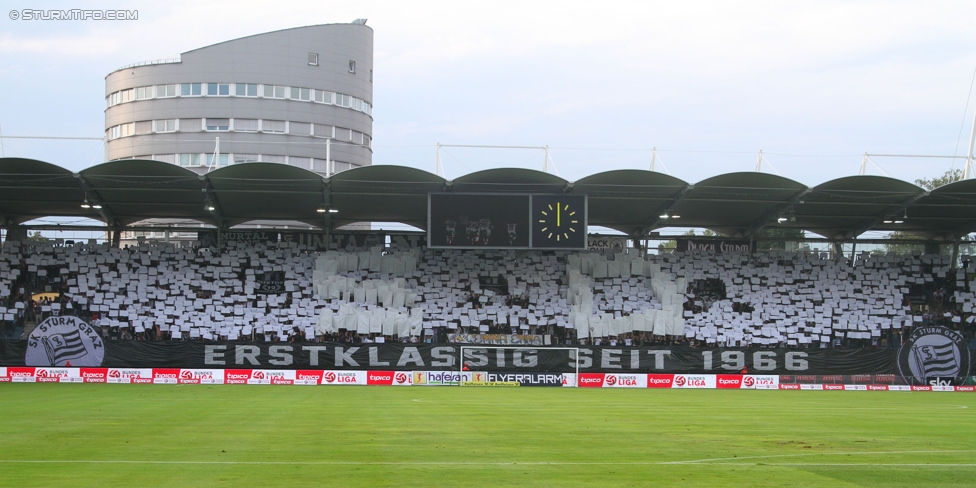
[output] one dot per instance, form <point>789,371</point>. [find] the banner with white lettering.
<point>127,360</point>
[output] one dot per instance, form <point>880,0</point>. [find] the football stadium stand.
<point>285,292</point>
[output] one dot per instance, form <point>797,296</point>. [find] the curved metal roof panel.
<point>631,201</point>
<point>847,207</point>
<point>32,189</point>
<point>383,193</point>
<point>509,180</point>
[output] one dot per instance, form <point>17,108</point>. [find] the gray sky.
<point>812,84</point>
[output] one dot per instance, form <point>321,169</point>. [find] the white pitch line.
<point>810,454</point>
<point>891,465</point>
<point>713,461</point>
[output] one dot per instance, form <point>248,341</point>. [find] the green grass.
<point>193,435</point>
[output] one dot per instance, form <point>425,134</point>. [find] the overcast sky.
<point>812,84</point>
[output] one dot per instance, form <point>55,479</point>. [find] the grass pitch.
<point>195,435</point>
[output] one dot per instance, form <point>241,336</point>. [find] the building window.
<point>352,66</point>
<point>301,93</point>
<point>323,97</point>
<point>274,91</point>
<point>123,130</point>
<point>245,158</point>
<point>313,59</point>
<point>218,124</point>
<point>300,128</point>
<point>246,89</point>
<point>189,160</point>
<point>144,92</point>
<point>164,91</point>
<point>246,125</point>
<point>323,131</point>
<point>190,89</point>
<point>275,126</point>
<point>189,125</point>
<point>218,89</point>
<point>272,158</point>
<point>168,125</point>
<point>144,127</point>
<point>220,160</point>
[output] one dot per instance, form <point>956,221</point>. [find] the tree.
<point>777,237</point>
<point>668,247</point>
<point>949,176</point>
<point>37,237</point>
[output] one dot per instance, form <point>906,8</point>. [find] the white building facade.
<point>301,96</point>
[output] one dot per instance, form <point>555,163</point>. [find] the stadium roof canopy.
<point>635,202</point>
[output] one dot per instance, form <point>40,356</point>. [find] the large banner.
<point>316,241</point>
<point>930,354</point>
<point>716,246</point>
<point>65,349</point>
<point>498,339</point>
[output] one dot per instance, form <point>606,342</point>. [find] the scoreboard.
<point>497,221</point>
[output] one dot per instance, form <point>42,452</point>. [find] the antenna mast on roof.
<point>654,158</point>
<point>216,155</point>
<point>967,171</point>
<point>760,161</point>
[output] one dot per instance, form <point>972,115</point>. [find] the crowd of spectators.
<point>286,292</point>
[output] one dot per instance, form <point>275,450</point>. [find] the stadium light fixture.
<point>85,203</point>
<point>675,216</point>
<point>333,210</point>
<point>904,218</point>
<point>321,209</point>
<point>781,220</point>
<point>664,216</point>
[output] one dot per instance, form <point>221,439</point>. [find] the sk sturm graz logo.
<point>64,341</point>
<point>933,352</point>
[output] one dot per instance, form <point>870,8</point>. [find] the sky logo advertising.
<point>932,354</point>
